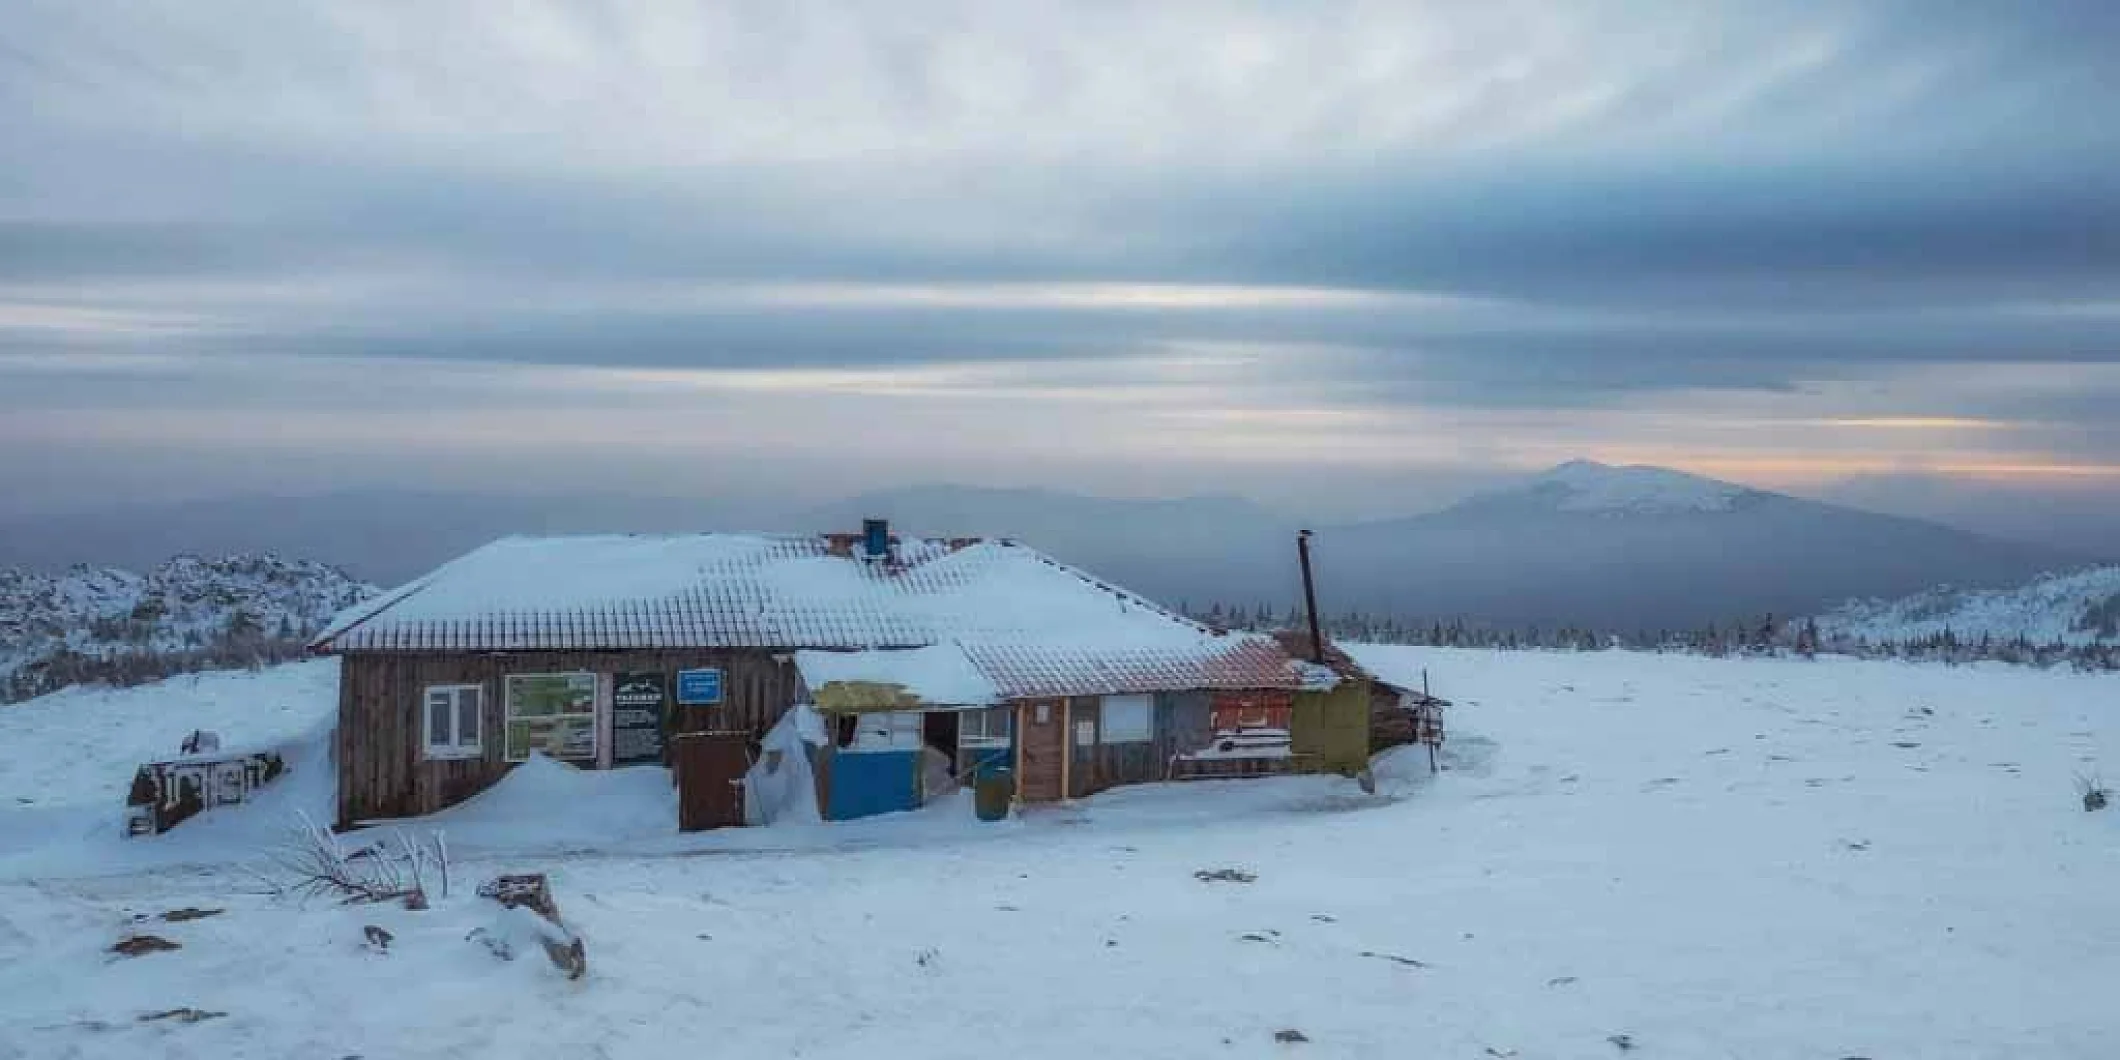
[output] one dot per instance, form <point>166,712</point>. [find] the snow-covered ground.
<point>67,759</point>
<point>1711,858</point>
<point>80,745</point>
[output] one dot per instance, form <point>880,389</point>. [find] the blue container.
<point>866,783</point>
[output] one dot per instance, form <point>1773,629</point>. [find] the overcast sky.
<point>1346,255</point>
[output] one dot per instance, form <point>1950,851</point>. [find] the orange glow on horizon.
<point>1919,423</point>
<point>1820,468</point>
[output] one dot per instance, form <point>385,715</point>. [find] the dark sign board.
<point>698,688</point>
<point>637,707</point>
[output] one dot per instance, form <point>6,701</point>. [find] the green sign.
<point>551,713</point>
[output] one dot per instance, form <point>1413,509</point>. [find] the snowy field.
<point>67,759</point>
<point>1692,858</point>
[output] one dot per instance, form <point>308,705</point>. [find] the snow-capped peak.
<point>1588,486</point>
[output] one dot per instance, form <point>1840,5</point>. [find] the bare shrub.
<point>313,863</point>
<point>2095,794</point>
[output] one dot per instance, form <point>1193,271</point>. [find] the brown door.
<point>710,769</point>
<point>1084,735</point>
<point>1041,749</point>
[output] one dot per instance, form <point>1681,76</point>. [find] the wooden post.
<point>1431,743</point>
<point>1067,748</point>
<point>1015,734</point>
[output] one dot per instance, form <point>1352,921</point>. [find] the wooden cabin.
<point>932,659</point>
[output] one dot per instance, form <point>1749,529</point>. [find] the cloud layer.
<point>1780,236</point>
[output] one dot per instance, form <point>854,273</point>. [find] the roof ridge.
<point>383,602</point>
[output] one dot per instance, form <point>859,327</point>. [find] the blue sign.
<point>698,688</point>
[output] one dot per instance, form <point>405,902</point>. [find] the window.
<point>552,713</point>
<point>451,720</point>
<point>1129,719</point>
<point>886,730</point>
<point>984,728</point>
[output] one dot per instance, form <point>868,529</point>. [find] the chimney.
<point>875,539</point>
<point>1310,599</point>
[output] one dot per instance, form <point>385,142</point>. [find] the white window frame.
<point>1129,709</point>
<point>458,746</point>
<point>987,728</point>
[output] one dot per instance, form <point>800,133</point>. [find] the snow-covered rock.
<point>187,605</point>
<point>2078,608</point>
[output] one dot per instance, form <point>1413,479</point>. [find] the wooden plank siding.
<point>1107,764</point>
<point>1184,722</point>
<point>1040,748</point>
<point>1112,764</point>
<point>1181,723</point>
<point>383,772</point>
<point>1084,719</point>
<point>380,748</point>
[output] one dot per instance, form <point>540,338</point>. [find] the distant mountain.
<point>1590,488</point>
<point>1584,544</point>
<point>109,623</point>
<point>1640,547</point>
<point>2078,608</point>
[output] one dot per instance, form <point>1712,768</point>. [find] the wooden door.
<point>1084,718</point>
<point>1041,750</point>
<point>710,770</point>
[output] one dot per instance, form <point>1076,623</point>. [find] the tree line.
<point>125,655</point>
<point>1763,636</point>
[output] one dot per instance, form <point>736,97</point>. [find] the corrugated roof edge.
<point>353,616</point>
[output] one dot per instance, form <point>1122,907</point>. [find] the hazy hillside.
<point>382,536</point>
<point>1588,544</point>
<point>107,623</point>
<point>2078,608</point>
<point>1583,544</point>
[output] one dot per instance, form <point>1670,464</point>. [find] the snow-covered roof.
<point>938,675</point>
<point>1028,624</point>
